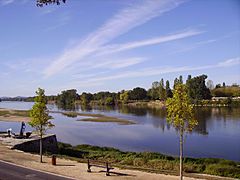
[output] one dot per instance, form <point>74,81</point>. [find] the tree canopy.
<point>197,89</point>
<point>41,3</point>
<point>66,99</point>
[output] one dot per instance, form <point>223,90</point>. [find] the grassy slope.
<point>152,161</point>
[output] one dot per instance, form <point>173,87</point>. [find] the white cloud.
<point>6,2</point>
<point>121,23</point>
<point>229,62</point>
<point>157,40</point>
<point>160,70</point>
<point>61,21</point>
<point>118,63</point>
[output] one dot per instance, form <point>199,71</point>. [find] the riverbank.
<point>78,170</point>
<point>151,161</point>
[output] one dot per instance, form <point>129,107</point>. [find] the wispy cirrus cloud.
<point>147,42</point>
<point>61,21</point>
<point>121,23</point>
<point>229,62</point>
<point>160,70</point>
<point>6,2</point>
<point>119,63</point>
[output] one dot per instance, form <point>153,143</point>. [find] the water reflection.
<point>217,134</point>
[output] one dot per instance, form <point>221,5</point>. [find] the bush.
<point>223,170</point>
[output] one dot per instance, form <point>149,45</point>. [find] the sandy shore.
<point>12,118</point>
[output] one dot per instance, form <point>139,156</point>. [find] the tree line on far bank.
<point>197,87</point>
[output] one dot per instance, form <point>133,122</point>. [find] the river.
<point>217,135</point>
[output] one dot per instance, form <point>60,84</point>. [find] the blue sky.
<point>110,45</point>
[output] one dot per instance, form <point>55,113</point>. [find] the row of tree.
<point>197,89</point>
<point>161,90</point>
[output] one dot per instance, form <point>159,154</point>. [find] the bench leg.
<point>89,167</point>
<point>107,172</point>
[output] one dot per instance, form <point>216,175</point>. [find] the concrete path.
<point>9,171</point>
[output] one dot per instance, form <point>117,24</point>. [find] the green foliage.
<point>154,91</point>
<point>180,110</point>
<point>66,99</point>
<point>86,98</point>
<point>228,91</point>
<point>180,115</point>
<point>138,94</point>
<point>109,101</point>
<point>197,89</point>
<point>39,114</point>
<point>154,161</point>
<point>124,97</point>
<point>223,170</point>
<point>169,93</point>
<point>162,90</point>
<point>41,3</point>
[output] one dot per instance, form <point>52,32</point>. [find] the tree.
<point>169,93</point>
<point>66,99</point>
<point>109,101</point>
<point>154,92</point>
<point>181,79</point>
<point>177,81</point>
<point>138,94</point>
<point>124,97</point>
<point>39,117</point>
<point>40,3</point>
<point>86,98</point>
<point>162,91</point>
<point>224,85</point>
<point>218,86</point>
<point>180,115</point>
<point>197,89</point>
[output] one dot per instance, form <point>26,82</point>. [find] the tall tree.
<point>176,82</point>
<point>180,115</point>
<point>154,91</point>
<point>197,89</point>
<point>224,85</point>
<point>40,120</point>
<point>138,94</point>
<point>162,91</point>
<point>181,79</point>
<point>169,93</point>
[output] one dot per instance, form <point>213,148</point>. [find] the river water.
<point>217,135</point>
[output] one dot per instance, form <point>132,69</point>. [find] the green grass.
<point>151,161</point>
<point>98,118</point>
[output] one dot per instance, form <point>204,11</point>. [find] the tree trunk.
<point>41,148</point>
<point>181,154</point>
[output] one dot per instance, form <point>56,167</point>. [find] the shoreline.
<point>76,169</point>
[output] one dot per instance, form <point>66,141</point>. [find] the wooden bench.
<point>100,164</point>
